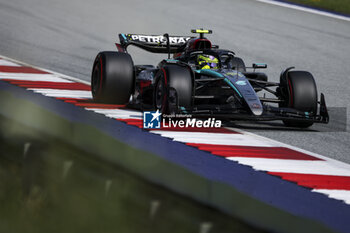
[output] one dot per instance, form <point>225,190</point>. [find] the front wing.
<point>270,113</point>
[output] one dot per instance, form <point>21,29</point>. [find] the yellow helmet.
<point>207,62</point>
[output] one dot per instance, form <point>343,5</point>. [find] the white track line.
<point>62,93</point>
<point>33,77</point>
<point>118,113</point>
<point>213,138</point>
<point>125,116</point>
<point>292,166</point>
<point>305,9</point>
<point>7,63</point>
<point>280,144</point>
<point>343,195</point>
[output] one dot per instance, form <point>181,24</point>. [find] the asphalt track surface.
<point>65,36</point>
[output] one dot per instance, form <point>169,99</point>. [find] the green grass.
<point>38,195</point>
<point>337,6</point>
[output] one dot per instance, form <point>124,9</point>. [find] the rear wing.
<point>154,43</point>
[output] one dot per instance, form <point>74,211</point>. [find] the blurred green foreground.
<point>48,186</point>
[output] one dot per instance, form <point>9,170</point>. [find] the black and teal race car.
<point>202,80</point>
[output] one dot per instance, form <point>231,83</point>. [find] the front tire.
<point>112,78</point>
<point>300,93</point>
<point>173,88</point>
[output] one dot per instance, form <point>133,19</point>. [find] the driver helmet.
<point>207,62</point>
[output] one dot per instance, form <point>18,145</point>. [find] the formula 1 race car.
<point>204,81</point>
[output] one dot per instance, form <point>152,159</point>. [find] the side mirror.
<point>259,65</point>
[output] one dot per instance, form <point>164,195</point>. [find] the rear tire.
<point>112,78</point>
<point>174,87</point>
<point>300,93</point>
